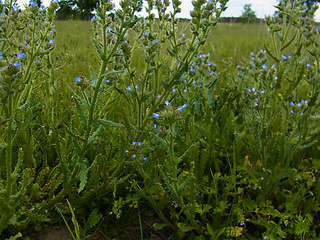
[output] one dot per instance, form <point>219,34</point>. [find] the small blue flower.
<point>291,103</point>
<point>308,64</point>
<point>139,143</point>
<point>299,105</point>
<point>284,57</point>
<point>255,104</point>
<point>51,41</point>
<point>145,33</point>
<point>184,35</point>
<point>158,96</point>
<point>126,151</point>
<point>155,125</point>
<point>291,111</point>
<point>16,63</point>
<point>107,81</point>
<point>15,7</point>
<point>156,41</point>
<point>77,79</point>
<point>156,115</point>
<point>159,130</point>
<point>185,105</point>
<point>198,194</point>
<point>25,43</point>
<point>173,90</point>
<point>146,159</point>
<point>54,29</point>
<point>273,66</point>
<point>31,2</point>
<point>136,86</point>
<point>109,28</point>
<point>21,55</point>
<point>128,88</point>
<point>264,66</point>
<point>134,156</point>
<point>191,69</point>
<point>185,90</point>
<point>307,102</point>
<point>0,54</point>
<point>194,82</point>
<point>134,143</point>
<point>93,18</point>
<point>167,102</point>
<point>200,55</point>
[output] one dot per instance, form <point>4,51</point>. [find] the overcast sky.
<point>235,7</point>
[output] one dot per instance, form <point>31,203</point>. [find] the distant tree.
<point>248,14</point>
<point>76,8</point>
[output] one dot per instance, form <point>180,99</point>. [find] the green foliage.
<point>156,134</point>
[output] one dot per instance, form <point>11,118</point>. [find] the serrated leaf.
<point>145,97</point>
<point>183,227</point>
<point>98,48</point>
<point>107,123</point>
<point>94,218</point>
<point>93,76</point>
<point>83,175</point>
<point>159,140</point>
<point>159,226</point>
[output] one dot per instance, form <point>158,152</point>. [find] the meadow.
<point>155,128</point>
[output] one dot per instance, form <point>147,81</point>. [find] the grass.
<point>228,43</point>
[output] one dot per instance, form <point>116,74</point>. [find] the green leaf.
<point>159,140</point>
<point>94,218</point>
<point>270,54</point>
<point>93,76</point>
<point>145,97</point>
<point>98,48</point>
<point>289,43</point>
<point>160,226</point>
<point>83,175</point>
<point>18,235</point>
<point>183,227</point>
<point>107,123</point>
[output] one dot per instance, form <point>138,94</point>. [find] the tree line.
<point>82,9</point>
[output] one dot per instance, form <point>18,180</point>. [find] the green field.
<point>143,128</point>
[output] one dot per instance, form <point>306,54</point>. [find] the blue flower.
<point>93,18</point>
<point>264,66</point>
<point>194,82</point>
<point>299,105</point>
<point>21,55</point>
<point>16,63</point>
<point>137,86</point>
<point>77,79</point>
<point>191,69</point>
<point>158,96</point>
<point>31,2</point>
<point>109,28</point>
<point>146,159</point>
<point>185,90</point>
<point>25,43</point>
<point>155,125</point>
<point>291,111</point>
<point>155,115</point>
<point>0,54</point>
<point>126,151</point>
<point>134,143</point>
<point>145,33</point>
<point>167,102</point>
<point>128,88</point>
<point>255,104</point>
<point>173,90</point>
<point>185,105</point>
<point>159,130</point>
<point>51,41</point>
<point>308,64</point>
<point>107,81</point>
<point>291,103</point>
<point>156,41</point>
<point>284,57</point>
<point>139,143</point>
<point>184,35</point>
<point>15,7</point>
<point>134,156</point>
